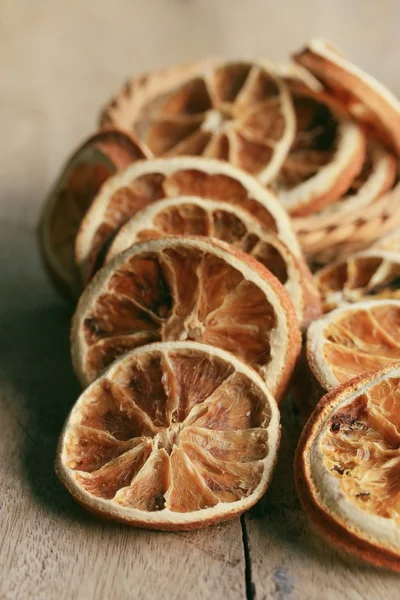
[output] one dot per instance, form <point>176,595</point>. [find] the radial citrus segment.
<point>134,189</point>
<point>206,456</point>
<point>347,466</point>
<point>95,161</point>
<point>353,340</point>
<point>186,288</point>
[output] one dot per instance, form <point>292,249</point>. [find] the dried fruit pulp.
<point>171,429</point>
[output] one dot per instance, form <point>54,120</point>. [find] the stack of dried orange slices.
<point>190,225</point>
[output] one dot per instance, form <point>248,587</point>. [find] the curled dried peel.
<point>352,340</point>
<point>367,98</point>
<point>174,436</point>
<point>148,181</point>
<point>186,288</point>
<point>235,111</point>
<point>188,215</point>
<point>91,164</point>
<point>347,466</point>
<point>327,152</point>
<point>371,273</point>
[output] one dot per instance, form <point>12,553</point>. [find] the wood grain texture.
<point>60,61</point>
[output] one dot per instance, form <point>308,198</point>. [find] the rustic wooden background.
<point>59,61</point>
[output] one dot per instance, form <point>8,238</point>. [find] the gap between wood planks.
<point>250,588</point>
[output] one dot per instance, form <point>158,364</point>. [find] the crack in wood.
<point>250,587</point>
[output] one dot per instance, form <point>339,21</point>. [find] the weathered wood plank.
<point>50,547</point>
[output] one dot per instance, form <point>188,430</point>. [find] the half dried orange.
<point>236,111</point>
<point>175,436</point>
<point>367,98</point>
<point>327,152</point>
<point>99,157</point>
<point>188,215</point>
<point>370,273</point>
<point>347,467</point>
<point>182,288</point>
<point>352,340</point>
<point>147,181</point>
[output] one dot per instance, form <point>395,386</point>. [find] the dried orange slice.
<point>347,467</point>
<point>389,242</point>
<point>179,288</point>
<point>188,215</point>
<point>369,273</point>
<point>352,340</point>
<point>175,436</point>
<point>147,181</point>
<point>99,157</point>
<point>366,97</point>
<point>236,111</point>
<point>327,152</point>
<point>377,176</point>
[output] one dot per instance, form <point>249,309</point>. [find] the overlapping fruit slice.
<point>347,467</point>
<point>188,215</point>
<point>367,98</point>
<point>389,242</point>
<point>327,152</point>
<point>99,157</point>
<point>148,181</point>
<point>236,111</point>
<point>186,289</point>
<point>175,436</point>
<point>377,176</point>
<point>352,340</point>
<point>370,273</point>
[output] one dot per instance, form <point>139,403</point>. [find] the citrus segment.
<point>188,215</point>
<point>206,455</point>
<point>146,182</point>
<point>99,157</point>
<point>353,340</point>
<point>347,466</point>
<point>186,288</point>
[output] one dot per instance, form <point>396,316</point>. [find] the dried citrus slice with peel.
<point>147,181</point>
<point>377,176</point>
<point>236,111</point>
<point>98,158</point>
<point>352,340</point>
<point>175,436</point>
<point>179,288</point>
<point>366,97</point>
<point>347,467</point>
<point>369,273</point>
<point>326,155</point>
<point>389,242</point>
<point>188,215</point>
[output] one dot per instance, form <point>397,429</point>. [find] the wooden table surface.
<point>59,61</point>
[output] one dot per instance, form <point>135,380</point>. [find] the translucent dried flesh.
<point>180,293</point>
<point>178,430</point>
<point>234,113</point>
<point>314,144</point>
<point>360,276</point>
<point>147,188</point>
<point>362,340</point>
<point>361,448</point>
